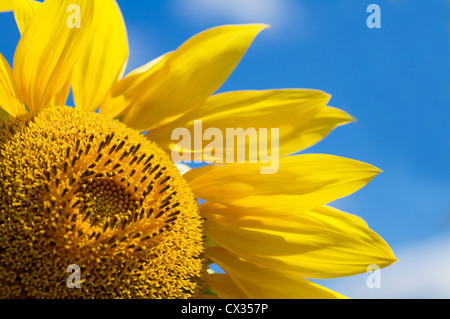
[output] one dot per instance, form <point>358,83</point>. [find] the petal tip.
<point>257,26</point>
<point>348,118</point>
<point>351,119</point>
<point>375,171</point>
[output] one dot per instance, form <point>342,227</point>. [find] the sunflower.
<point>84,186</point>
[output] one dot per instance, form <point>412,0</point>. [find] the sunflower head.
<point>96,192</point>
<point>79,189</point>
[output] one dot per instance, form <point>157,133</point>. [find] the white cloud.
<point>422,272</point>
<point>277,13</point>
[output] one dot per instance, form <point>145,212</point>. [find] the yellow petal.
<point>194,72</point>
<point>307,181</point>
<point>49,48</point>
<point>256,113</point>
<point>60,97</point>
<point>259,282</point>
<point>6,5</point>
<point>326,120</point>
<point>129,88</point>
<point>104,58</point>
<point>320,243</point>
<point>24,11</point>
<point>224,286</point>
<point>9,98</point>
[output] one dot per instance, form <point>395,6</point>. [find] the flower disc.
<point>77,189</point>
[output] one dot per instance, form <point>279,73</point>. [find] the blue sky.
<point>394,80</point>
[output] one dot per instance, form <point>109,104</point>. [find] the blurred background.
<point>394,80</point>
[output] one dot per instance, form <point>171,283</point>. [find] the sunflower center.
<point>105,198</point>
<point>79,189</point>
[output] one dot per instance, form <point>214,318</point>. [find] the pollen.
<point>78,189</point>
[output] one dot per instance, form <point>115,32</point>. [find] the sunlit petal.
<point>187,71</point>
<point>104,57</point>
<point>24,12</point>
<point>258,114</point>
<point>9,97</point>
<point>264,283</point>
<point>49,49</point>
<point>307,180</point>
<point>320,243</point>
<point>225,287</point>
